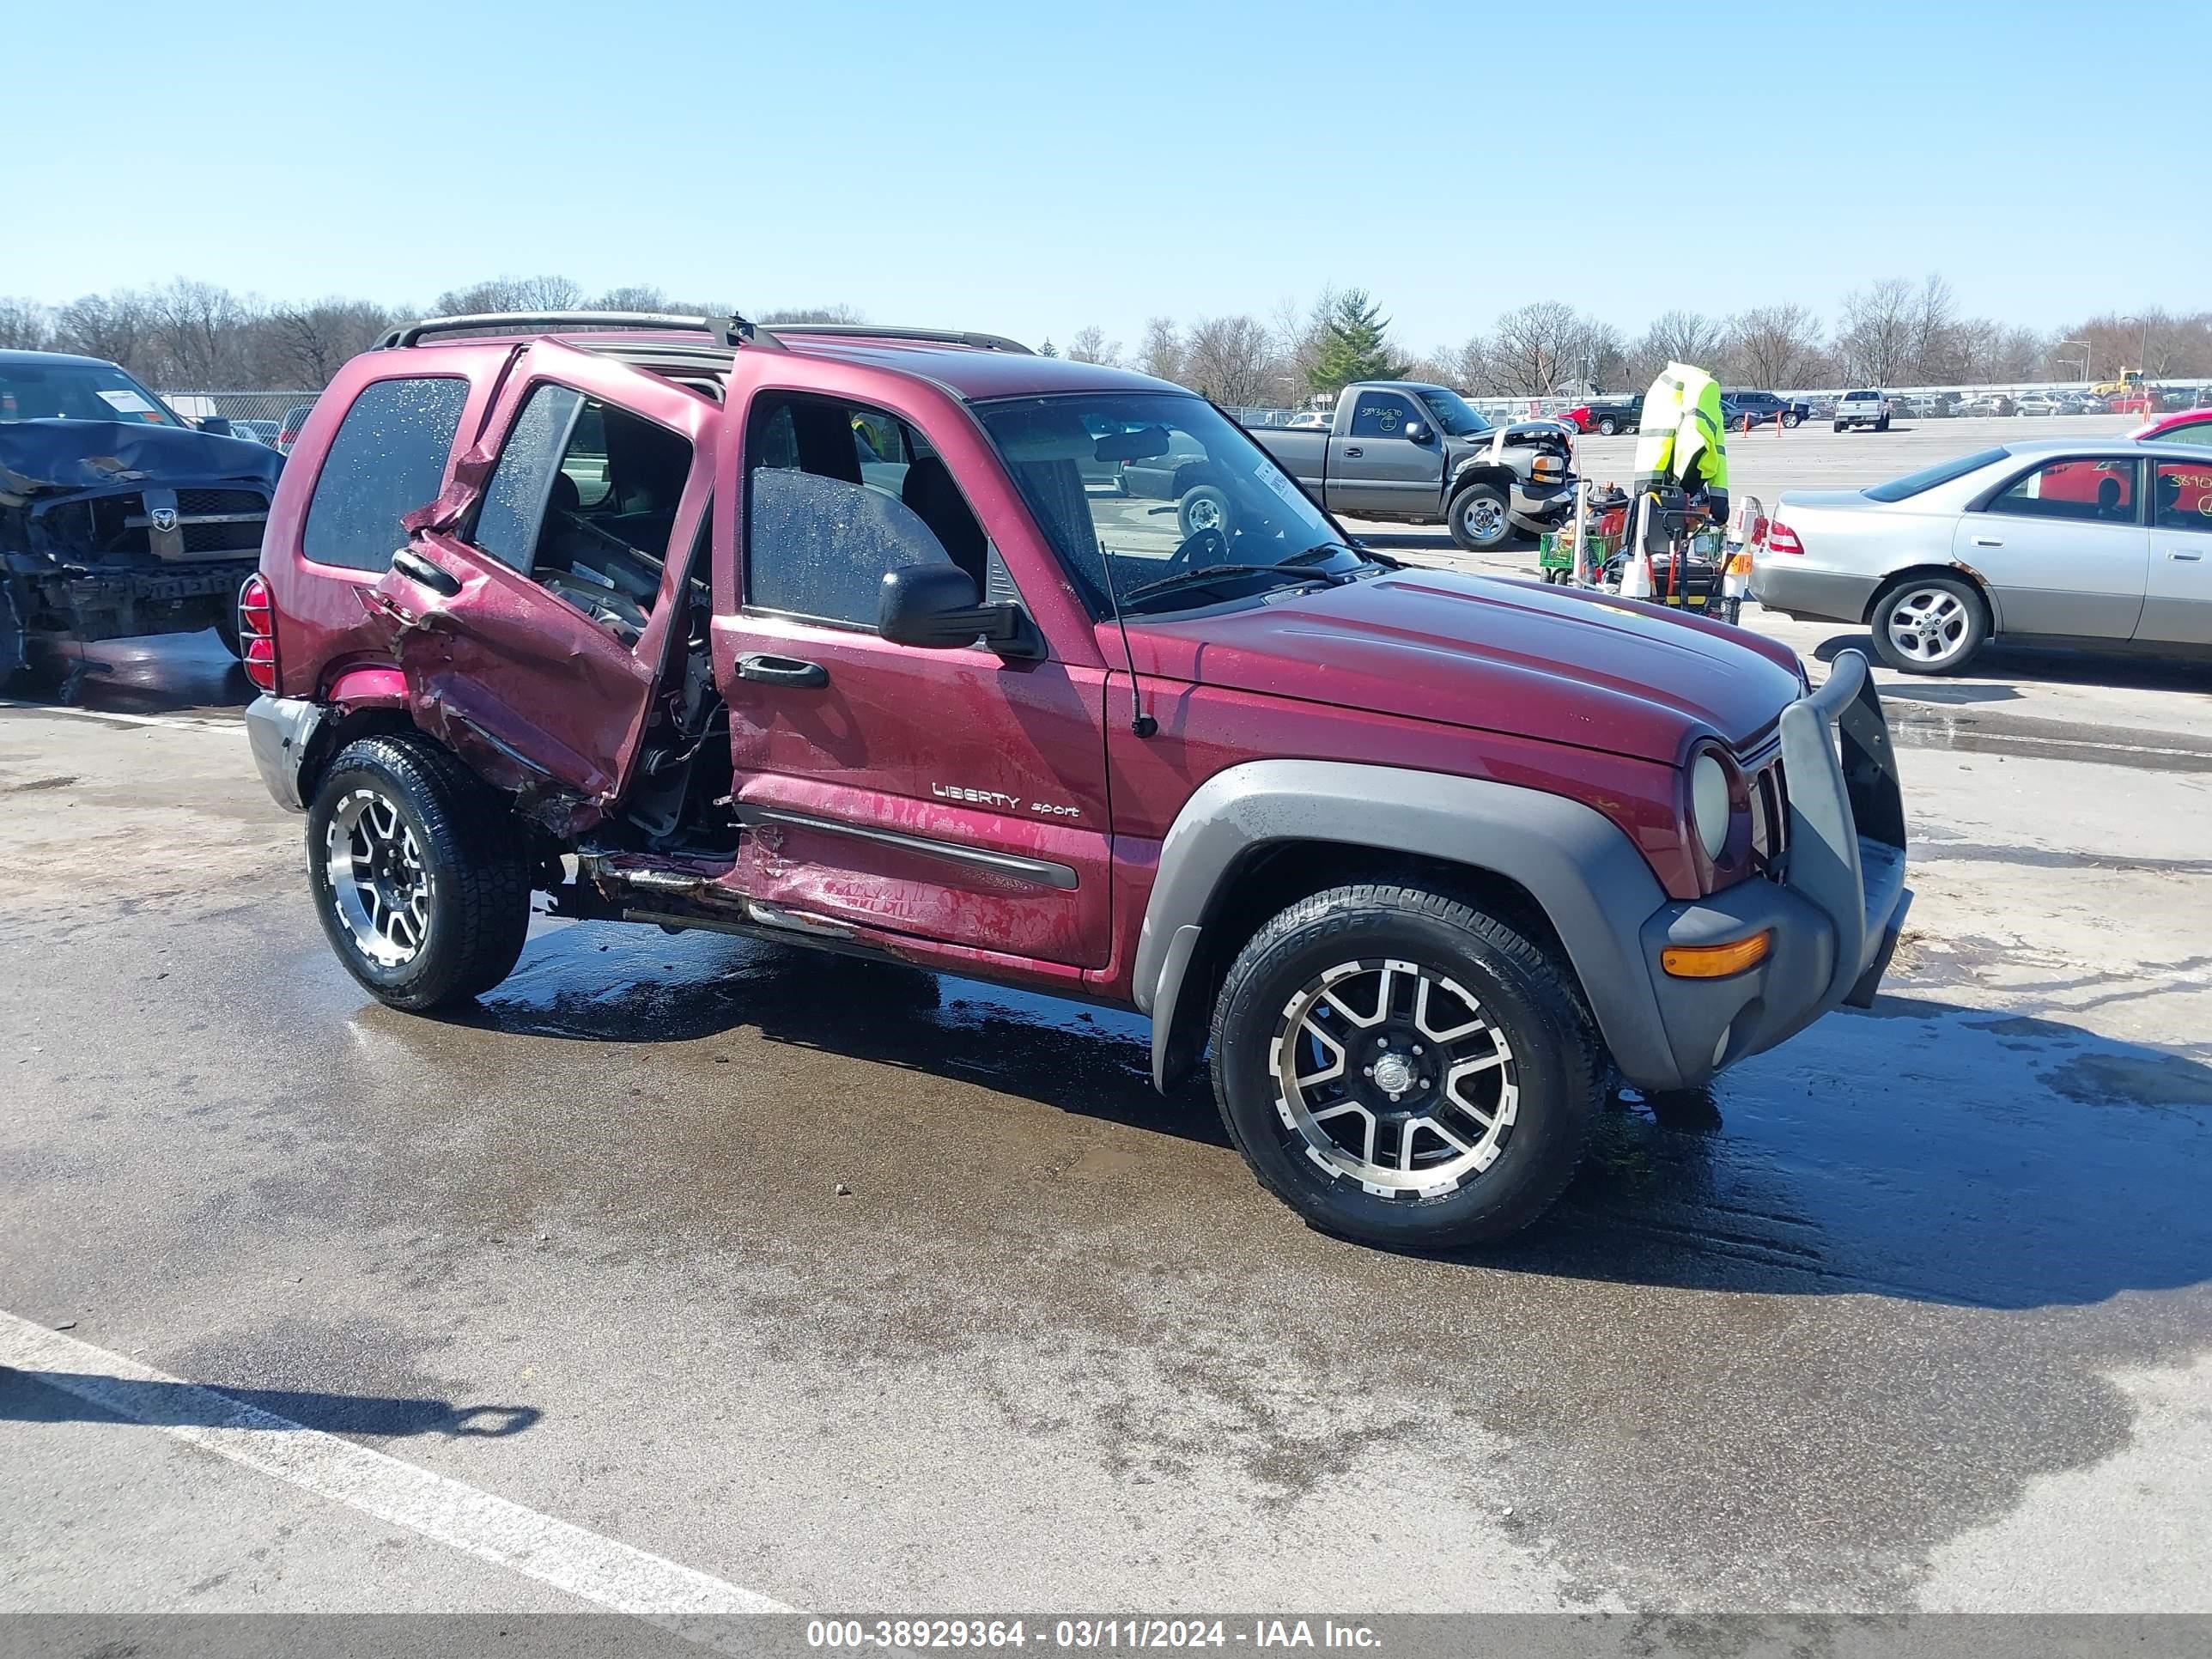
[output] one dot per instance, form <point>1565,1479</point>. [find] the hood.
<point>1555,664</point>
<point>42,457</point>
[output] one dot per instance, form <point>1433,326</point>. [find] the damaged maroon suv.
<point>847,637</point>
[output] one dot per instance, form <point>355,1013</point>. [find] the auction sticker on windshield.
<point>1281,483</point>
<point>125,401</point>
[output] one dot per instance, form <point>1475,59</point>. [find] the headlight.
<point>1709,803</point>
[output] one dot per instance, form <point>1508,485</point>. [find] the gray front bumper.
<point>1539,506</point>
<point>1836,913</point>
<point>281,731</point>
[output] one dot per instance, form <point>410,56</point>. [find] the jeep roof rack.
<point>729,332</point>
<point>932,336</point>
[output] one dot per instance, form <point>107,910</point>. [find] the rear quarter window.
<point>387,459</point>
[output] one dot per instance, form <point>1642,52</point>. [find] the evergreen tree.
<point>1048,349</point>
<point>1355,346</point>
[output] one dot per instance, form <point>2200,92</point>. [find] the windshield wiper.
<point>1199,576</point>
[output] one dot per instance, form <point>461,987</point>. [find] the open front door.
<point>532,613</point>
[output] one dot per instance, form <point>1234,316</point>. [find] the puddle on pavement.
<point>161,674</point>
<point>1929,726</point>
<point>1925,1149</point>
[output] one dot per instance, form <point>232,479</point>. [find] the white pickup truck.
<point>1867,409</point>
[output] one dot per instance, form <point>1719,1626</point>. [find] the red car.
<point>2188,426</point>
<point>825,637</point>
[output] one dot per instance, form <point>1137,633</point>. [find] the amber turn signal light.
<point>1716,961</point>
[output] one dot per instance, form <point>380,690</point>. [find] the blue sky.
<point>1031,168</point>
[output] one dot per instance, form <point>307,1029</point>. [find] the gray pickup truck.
<point>1418,454</point>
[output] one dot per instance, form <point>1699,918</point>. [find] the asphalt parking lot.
<point>711,1269</point>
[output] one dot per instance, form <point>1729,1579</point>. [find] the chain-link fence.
<point>265,415</point>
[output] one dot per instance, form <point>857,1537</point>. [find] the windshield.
<point>1454,416</point>
<point>1160,485</point>
<point>1913,484</point>
<point>76,392</point>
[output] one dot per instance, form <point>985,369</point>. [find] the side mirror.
<point>937,607</point>
<point>1417,431</point>
<point>217,425</point>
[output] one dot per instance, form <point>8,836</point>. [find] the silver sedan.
<point>2096,542</point>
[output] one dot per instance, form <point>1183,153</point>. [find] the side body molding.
<point>1590,880</point>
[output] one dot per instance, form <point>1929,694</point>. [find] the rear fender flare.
<point>1593,885</point>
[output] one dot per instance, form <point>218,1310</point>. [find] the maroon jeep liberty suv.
<point>856,638</point>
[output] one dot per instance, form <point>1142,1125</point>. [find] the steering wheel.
<point>1199,549</point>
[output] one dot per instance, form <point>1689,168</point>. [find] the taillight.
<point>256,633</point>
<point>1781,538</point>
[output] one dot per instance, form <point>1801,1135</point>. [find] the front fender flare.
<point>1593,885</point>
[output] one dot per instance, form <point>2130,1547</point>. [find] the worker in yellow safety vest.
<point>1680,440</point>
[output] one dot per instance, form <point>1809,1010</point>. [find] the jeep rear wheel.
<point>1477,518</point>
<point>418,873</point>
<point>1403,1069</point>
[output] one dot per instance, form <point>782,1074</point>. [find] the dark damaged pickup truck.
<point>116,517</point>
<point>1416,454</point>
<point>850,639</point>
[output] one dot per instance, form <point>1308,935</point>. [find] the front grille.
<point>1770,819</point>
<point>193,503</point>
<point>219,537</point>
<point>98,526</point>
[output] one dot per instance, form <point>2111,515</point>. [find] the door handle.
<point>2185,558</point>
<point>1988,541</point>
<point>1355,453</point>
<point>782,671</point>
<point>416,569</point>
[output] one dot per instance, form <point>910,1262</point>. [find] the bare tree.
<point>1933,349</point>
<point>1538,349</point>
<point>1676,337</point>
<point>24,325</point>
<point>1875,345</point>
<point>1774,346</point>
<point>634,296</point>
<point>114,325</point>
<point>1090,345</point>
<point>1300,333</point>
<point>1230,359</point>
<point>313,340</point>
<point>811,314</point>
<point>512,294</point>
<point>1161,354</point>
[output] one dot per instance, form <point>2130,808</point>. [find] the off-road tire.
<point>475,853</point>
<point>1456,517</point>
<point>1532,1000</point>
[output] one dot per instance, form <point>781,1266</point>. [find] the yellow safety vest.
<point>1682,428</point>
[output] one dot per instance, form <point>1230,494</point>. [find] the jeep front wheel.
<point>1477,518</point>
<point>418,873</point>
<point>1403,1069</point>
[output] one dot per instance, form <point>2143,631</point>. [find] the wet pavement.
<point>868,1288</point>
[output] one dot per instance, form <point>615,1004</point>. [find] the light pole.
<point>2083,359</point>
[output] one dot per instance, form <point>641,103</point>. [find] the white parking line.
<point>582,1563</point>
<point>173,722</point>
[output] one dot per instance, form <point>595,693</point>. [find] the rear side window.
<point>1913,484</point>
<point>837,496</point>
<point>388,459</point>
<point>2089,490</point>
